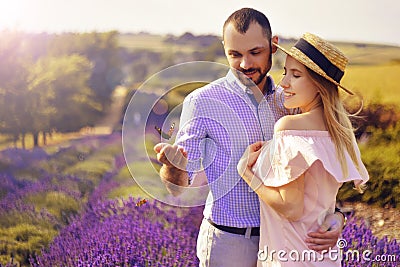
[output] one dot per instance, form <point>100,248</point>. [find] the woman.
<point>298,173</point>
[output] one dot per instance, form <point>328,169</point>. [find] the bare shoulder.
<point>303,121</point>
<point>292,122</point>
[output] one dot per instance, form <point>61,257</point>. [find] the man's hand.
<point>327,234</point>
<point>171,155</point>
<point>173,172</point>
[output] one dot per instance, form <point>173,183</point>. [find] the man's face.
<point>249,53</point>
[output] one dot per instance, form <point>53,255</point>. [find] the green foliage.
<point>156,43</point>
<point>24,232</point>
<point>56,82</point>
<point>375,116</point>
<point>92,167</point>
<point>123,176</point>
<point>22,240</point>
<point>145,176</point>
<point>178,93</point>
<point>59,96</point>
<point>102,51</point>
<point>385,137</point>
<point>128,186</point>
<point>14,65</point>
<point>142,168</point>
<point>127,191</point>
<point>381,156</point>
<point>67,158</point>
<point>12,218</point>
<point>93,170</point>
<point>59,204</point>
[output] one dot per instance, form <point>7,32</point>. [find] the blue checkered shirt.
<point>218,122</point>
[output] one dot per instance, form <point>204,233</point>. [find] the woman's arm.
<point>287,199</point>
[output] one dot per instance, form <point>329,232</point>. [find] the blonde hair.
<point>338,122</point>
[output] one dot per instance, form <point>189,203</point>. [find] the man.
<point>218,122</point>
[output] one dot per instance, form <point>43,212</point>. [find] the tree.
<point>61,99</point>
<point>55,82</point>
<point>102,50</point>
<point>14,64</point>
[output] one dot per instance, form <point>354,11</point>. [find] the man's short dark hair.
<point>242,18</point>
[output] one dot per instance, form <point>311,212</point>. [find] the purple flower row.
<point>127,232</point>
<point>362,248</point>
<point>124,233</point>
<point>23,178</point>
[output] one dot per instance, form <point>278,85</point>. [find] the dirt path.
<point>108,123</point>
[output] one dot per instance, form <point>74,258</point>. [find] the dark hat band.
<point>318,58</point>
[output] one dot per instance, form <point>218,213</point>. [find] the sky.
<point>370,21</point>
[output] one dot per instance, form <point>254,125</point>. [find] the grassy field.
<point>151,42</point>
<point>365,54</point>
<point>375,83</point>
<point>56,138</point>
<point>372,71</point>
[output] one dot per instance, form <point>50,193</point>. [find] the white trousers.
<point>216,248</point>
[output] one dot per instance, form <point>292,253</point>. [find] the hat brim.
<point>306,61</point>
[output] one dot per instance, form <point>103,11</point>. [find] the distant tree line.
<point>140,64</point>
<point>190,39</point>
<point>63,82</point>
<point>52,82</point>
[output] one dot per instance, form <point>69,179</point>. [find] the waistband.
<point>254,231</point>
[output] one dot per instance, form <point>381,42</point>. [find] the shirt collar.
<point>240,87</point>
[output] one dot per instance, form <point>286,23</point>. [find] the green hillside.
<point>372,70</point>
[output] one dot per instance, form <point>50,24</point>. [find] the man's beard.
<point>241,74</point>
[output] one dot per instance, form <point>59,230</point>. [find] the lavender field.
<point>60,206</point>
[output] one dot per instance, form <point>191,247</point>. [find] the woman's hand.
<point>249,158</point>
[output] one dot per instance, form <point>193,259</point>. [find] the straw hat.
<point>320,56</point>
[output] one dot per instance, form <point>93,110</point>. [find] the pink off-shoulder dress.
<point>283,159</point>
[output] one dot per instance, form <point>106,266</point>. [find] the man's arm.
<point>173,171</point>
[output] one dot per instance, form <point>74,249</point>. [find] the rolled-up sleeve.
<point>191,134</point>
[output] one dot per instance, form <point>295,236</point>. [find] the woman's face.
<point>299,89</point>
